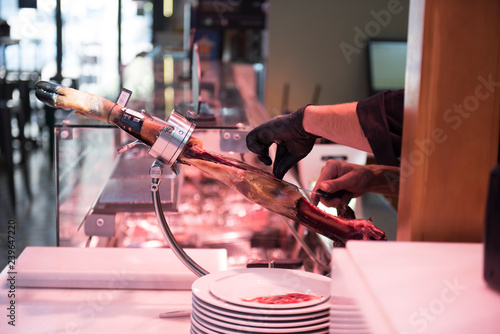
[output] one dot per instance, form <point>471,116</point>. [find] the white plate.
<point>201,291</point>
<point>343,303</point>
<point>347,320</point>
<point>253,323</point>
<point>241,288</point>
<point>345,308</point>
<point>346,312</point>
<point>350,331</point>
<point>199,328</point>
<point>358,325</point>
<point>257,317</point>
<point>216,326</point>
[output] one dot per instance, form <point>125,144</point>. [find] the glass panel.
<point>84,157</point>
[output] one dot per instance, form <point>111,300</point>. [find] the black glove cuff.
<point>299,127</point>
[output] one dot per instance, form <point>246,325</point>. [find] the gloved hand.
<point>293,142</point>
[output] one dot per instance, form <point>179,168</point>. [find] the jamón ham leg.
<point>255,184</point>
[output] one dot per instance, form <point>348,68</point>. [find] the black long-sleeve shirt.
<point>381,118</point>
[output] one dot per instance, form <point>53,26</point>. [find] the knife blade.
<point>344,210</point>
<point>327,196</point>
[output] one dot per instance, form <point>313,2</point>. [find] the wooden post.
<point>451,120</point>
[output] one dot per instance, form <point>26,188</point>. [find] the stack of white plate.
<point>346,317</point>
<point>261,300</point>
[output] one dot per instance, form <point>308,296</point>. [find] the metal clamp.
<point>172,139</point>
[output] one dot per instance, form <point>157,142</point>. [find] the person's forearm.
<point>338,123</point>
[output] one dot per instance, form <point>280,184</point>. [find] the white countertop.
<point>82,290</point>
<point>418,287</point>
<point>94,311</point>
<point>401,287</point>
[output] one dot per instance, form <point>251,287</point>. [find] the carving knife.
<point>326,195</point>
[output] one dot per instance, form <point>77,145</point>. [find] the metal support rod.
<point>120,74</point>
<point>59,50</point>
<point>304,246</point>
<point>156,170</point>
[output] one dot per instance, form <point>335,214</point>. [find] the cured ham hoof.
<point>84,104</point>
<point>48,93</point>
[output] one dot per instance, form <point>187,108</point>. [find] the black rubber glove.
<point>294,143</point>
